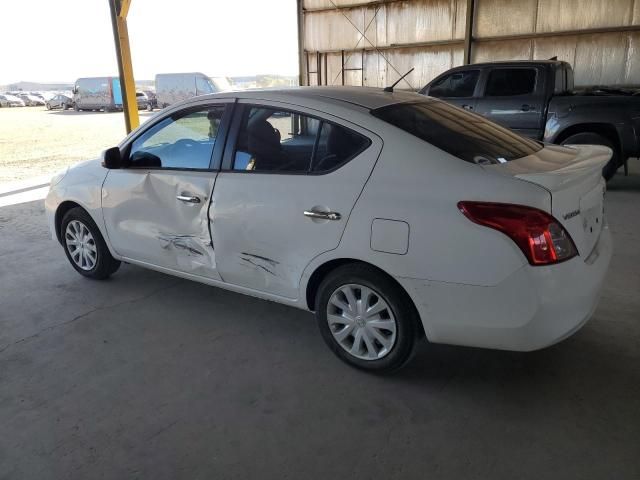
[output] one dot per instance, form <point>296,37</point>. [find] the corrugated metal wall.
<point>370,43</point>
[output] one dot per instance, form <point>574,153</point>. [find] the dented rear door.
<point>267,225</point>
<point>156,210</point>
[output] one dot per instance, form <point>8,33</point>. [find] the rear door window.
<point>462,134</point>
<point>456,85</point>
<point>283,141</point>
<point>508,82</point>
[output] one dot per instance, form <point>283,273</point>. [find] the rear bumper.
<point>533,308</point>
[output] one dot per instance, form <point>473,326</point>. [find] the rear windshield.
<point>460,133</point>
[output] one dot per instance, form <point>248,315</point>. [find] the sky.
<point>64,40</point>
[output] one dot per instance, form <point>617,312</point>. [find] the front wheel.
<point>366,319</point>
<point>85,247</point>
<point>590,138</point>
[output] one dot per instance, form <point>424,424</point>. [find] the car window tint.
<point>336,145</point>
<point>462,134</point>
<point>179,142</point>
<point>273,140</point>
<point>457,84</point>
<point>503,82</point>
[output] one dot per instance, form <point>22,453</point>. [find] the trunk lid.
<point>573,177</point>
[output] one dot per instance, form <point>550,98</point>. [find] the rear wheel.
<point>85,247</point>
<point>366,319</point>
<point>590,138</point>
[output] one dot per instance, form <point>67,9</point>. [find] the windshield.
<point>462,134</point>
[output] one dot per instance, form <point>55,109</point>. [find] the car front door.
<point>514,98</point>
<point>289,180</point>
<point>457,88</point>
<point>156,207</point>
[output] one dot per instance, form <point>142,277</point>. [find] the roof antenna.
<point>390,89</point>
<point>554,58</point>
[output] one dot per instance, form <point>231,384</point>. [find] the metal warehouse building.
<point>372,43</point>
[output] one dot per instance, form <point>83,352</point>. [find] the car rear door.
<point>514,97</point>
<point>289,181</point>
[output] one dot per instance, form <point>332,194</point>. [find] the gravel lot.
<point>35,141</point>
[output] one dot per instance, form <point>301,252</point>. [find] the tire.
<point>76,108</point>
<point>590,138</point>
<point>99,266</point>
<point>48,106</point>
<point>397,320</point>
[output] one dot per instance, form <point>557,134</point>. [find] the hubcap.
<point>361,322</point>
<point>81,245</point>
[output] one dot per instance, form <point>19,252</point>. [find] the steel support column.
<point>302,60</point>
<point>119,11</point>
<point>468,31</point>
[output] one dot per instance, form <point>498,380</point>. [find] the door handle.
<point>322,215</point>
<point>526,108</point>
<point>467,107</point>
<point>188,199</point>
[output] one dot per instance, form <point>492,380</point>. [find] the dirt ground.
<point>36,142</point>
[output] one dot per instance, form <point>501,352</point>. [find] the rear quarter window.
<point>462,134</point>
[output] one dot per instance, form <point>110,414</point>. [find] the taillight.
<point>540,237</point>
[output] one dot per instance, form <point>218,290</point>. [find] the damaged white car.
<point>392,216</point>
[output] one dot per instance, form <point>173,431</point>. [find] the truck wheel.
<point>590,138</point>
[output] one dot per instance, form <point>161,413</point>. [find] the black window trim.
<point>488,72</point>
<point>232,138</point>
<point>218,148</point>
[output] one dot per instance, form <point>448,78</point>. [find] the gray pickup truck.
<point>537,99</point>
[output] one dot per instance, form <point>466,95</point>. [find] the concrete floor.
<point>147,376</point>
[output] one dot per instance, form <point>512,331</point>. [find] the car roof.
<point>366,97</point>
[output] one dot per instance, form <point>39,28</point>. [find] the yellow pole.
<point>119,11</point>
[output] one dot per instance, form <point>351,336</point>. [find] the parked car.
<point>59,101</point>
<point>31,100</point>
<point>152,99</point>
<point>143,101</point>
<point>390,215</point>
<point>538,99</point>
<point>175,87</point>
<point>97,93</point>
<point>39,95</point>
<point>7,100</point>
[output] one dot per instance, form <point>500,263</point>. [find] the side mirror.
<point>111,158</point>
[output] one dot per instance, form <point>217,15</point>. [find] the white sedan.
<point>390,215</point>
